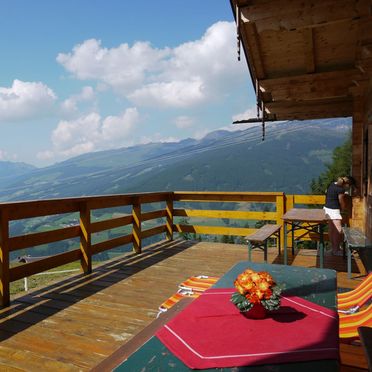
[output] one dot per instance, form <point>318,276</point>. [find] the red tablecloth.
<point>212,333</point>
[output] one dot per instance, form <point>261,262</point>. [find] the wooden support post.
<point>137,228</point>
<point>289,204</point>
<point>280,210</point>
<point>169,223</point>
<point>85,239</point>
<point>4,259</point>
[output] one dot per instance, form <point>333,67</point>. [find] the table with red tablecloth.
<point>211,333</point>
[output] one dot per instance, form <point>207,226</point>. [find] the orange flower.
<point>263,285</point>
<point>254,299</point>
<point>255,277</point>
<point>239,287</point>
<point>268,294</point>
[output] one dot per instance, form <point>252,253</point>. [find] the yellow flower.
<point>255,277</point>
<point>263,285</point>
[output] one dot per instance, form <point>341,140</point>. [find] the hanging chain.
<point>238,30</point>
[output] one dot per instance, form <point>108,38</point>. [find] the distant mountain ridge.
<point>292,154</point>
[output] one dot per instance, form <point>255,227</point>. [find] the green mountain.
<point>292,154</point>
<point>10,170</point>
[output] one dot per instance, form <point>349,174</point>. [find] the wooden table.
<point>315,285</point>
<point>311,220</point>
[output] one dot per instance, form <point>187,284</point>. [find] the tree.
<point>340,166</point>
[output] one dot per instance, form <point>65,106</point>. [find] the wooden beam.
<point>45,237</point>
<point>304,110</point>
<point>324,85</point>
<point>4,259</point>
<point>137,226</point>
<point>85,238</point>
<point>250,40</point>
<point>169,222</point>
<point>43,264</point>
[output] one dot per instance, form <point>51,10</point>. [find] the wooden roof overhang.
<point>307,59</point>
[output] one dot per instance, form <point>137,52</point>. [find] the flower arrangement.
<point>256,288</point>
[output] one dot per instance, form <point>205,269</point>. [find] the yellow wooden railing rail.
<point>176,205</point>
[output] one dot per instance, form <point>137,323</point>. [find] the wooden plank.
<point>111,223</point>
<point>325,85</point>
<point>309,199</point>
<point>154,197</point>
<point>244,215</point>
<point>263,233</point>
<point>146,216</point>
<point>309,50</point>
<point>29,209</point>
<point>137,226</point>
<point>136,342</point>
<point>291,110</point>
<point>250,36</point>
<point>112,243</point>
<point>4,259</point>
<point>44,264</point>
<point>169,214</point>
<point>291,15</point>
<point>213,230</point>
<point>46,237</point>
<point>153,231</point>
<point>265,197</point>
<point>85,238</point>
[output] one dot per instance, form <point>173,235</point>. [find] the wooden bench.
<point>260,237</point>
<point>355,240</point>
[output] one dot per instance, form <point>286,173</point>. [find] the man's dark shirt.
<point>333,192</point>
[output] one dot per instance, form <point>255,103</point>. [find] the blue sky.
<point>89,75</point>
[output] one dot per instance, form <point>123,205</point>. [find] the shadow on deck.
<point>75,323</point>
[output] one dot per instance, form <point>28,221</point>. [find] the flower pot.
<point>256,312</point>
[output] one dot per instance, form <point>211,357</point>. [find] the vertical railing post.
<point>85,238</point>
<point>137,228</point>
<point>289,204</point>
<point>4,259</point>
<point>280,210</point>
<point>169,223</point>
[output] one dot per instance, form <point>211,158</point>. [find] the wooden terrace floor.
<point>72,325</point>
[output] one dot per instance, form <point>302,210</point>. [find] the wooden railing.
<point>278,203</point>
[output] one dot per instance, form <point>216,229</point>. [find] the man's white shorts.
<point>332,214</point>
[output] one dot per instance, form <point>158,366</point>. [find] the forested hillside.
<point>292,154</point>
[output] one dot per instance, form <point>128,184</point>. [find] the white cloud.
<point>192,73</point>
<point>183,122</point>
<point>91,132</point>
<point>123,68</point>
<point>25,100</point>
<point>116,128</point>
<point>158,137</point>
<point>172,94</point>
<point>70,105</point>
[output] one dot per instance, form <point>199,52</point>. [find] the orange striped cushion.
<point>199,283</point>
<point>192,287</point>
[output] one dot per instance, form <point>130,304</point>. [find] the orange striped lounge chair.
<point>351,301</point>
<point>349,323</point>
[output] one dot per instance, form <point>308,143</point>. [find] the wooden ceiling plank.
<point>289,110</point>
<point>291,15</point>
<point>249,34</point>
<point>349,75</point>
<point>309,51</point>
